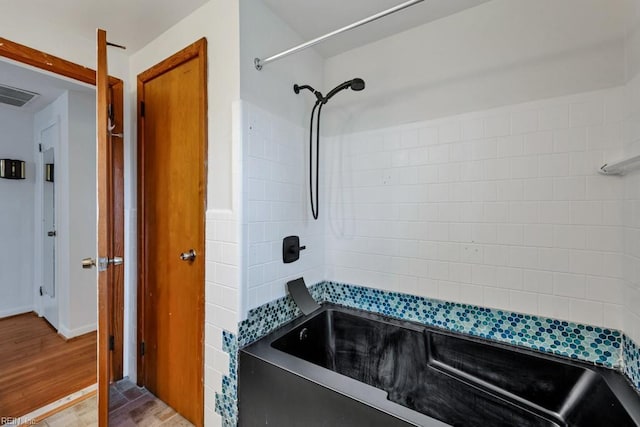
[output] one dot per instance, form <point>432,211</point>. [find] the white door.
<point>48,292</point>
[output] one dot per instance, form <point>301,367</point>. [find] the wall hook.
<point>111,127</point>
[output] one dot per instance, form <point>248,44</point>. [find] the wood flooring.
<point>38,367</point>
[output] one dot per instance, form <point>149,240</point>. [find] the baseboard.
<point>72,333</point>
<point>15,311</point>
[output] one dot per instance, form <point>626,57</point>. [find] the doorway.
<point>172,153</point>
<point>48,300</point>
<point>52,309</point>
<point>48,283</point>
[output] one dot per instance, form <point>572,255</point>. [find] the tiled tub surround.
<point>276,202</point>
<point>589,343</point>
<point>499,208</point>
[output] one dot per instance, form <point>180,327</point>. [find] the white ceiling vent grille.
<point>16,97</point>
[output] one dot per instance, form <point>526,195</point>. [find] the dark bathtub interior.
<point>457,380</point>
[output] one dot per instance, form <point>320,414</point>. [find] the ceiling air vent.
<point>16,97</point>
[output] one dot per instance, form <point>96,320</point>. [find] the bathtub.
<point>345,367</point>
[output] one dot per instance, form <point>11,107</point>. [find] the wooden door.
<point>110,250</point>
<point>105,229</point>
<point>172,159</point>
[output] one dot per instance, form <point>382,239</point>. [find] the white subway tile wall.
<point>223,278</point>
<point>502,208</point>
<point>222,287</point>
<point>631,214</point>
<point>276,205</point>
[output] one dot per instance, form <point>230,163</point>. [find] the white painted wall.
<point>62,42</point>
<point>16,214</point>
<point>502,52</point>
<point>632,40</point>
<point>75,183</point>
<point>262,33</point>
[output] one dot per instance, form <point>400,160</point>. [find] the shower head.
<point>356,84</point>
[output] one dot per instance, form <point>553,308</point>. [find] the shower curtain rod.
<point>619,168</point>
<point>259,63</point>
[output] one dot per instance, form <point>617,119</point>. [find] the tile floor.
<point>129,404</point>
<point>80,415</point>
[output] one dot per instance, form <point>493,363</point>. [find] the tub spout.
<point>301,296</point>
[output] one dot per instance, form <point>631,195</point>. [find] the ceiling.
<point>133,23</point>
<point>313,18</point>
<point>46,86</point>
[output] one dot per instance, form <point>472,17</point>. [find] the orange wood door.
<point>172,162</point>
<point>105,229</point>
<point>116,290</point>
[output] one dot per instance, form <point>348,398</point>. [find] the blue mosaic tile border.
<point>260,322</point>
<point>589,343</point>
<point>268,317</point>
<point>227,402</point>
<point>631,355</point>
<point>598,345</point>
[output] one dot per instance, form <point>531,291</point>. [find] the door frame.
<point>196,50</point>
<point>56,65</point>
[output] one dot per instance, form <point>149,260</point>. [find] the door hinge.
<point>103,262</point>
<point>112,342</point>
<point>40,147</point>
<point>142,348</point>
<point>116,260</point>
<point>142,109</point>
<point>41,291</point>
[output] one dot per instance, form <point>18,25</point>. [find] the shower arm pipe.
<point>259,63</point>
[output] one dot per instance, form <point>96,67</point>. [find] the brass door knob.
<point>88,263</point>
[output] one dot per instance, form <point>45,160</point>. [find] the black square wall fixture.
<point>291,249</point>
<point>12,169</point>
